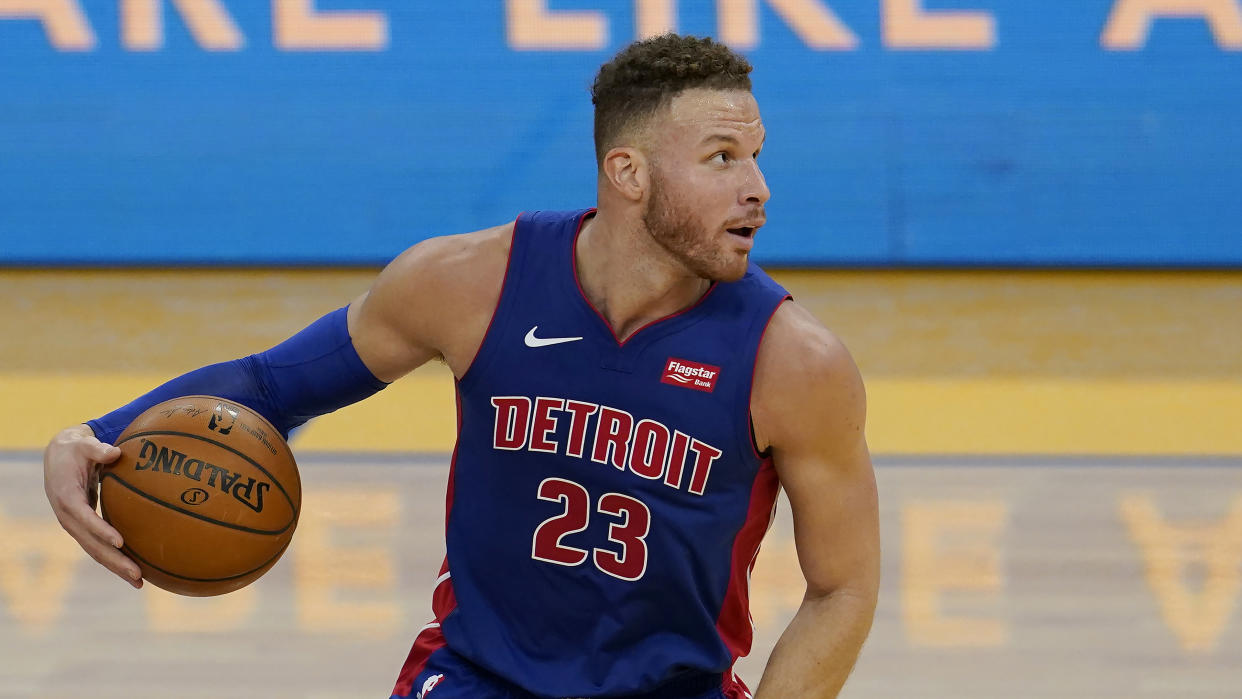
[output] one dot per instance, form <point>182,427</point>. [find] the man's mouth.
<point>743,231</point>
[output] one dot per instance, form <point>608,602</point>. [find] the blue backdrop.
<point>1058,133</point>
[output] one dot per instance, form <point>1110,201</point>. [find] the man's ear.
<point>628,171</point>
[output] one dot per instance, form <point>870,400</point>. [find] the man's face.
<point>707,192</point>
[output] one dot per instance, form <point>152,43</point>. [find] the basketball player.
<point>632,394</point>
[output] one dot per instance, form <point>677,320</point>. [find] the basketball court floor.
<point>1059,457</point>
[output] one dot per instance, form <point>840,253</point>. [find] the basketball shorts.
<point>450,676</point>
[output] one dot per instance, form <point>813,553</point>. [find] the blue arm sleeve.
<point>312,373</point>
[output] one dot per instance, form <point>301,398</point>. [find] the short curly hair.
<point>646,75</point>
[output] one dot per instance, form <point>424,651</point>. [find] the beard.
<point>674,227</point>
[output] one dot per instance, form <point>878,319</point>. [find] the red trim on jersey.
<point>503,280</point>
<point>430,639</point>
<point>443,598</point>
<point>734,623</point>
<point>448,489</point>
<point>427,642</point>
<point>573,260</point>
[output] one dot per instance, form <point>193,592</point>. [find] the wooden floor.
<point>1031,578</point>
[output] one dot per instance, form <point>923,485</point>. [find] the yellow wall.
<point>955,362</point>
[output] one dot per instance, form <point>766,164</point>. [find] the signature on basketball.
<point>189,410</point>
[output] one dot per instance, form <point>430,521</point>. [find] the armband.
<point>312,373</point>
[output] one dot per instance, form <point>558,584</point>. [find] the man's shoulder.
<point>801,360</point>
<point>440,294</point>
<point>453,261</point>
<point>803,369</point>
<point>794,334</point>
<point>476,247</point>
<point>483,251</point>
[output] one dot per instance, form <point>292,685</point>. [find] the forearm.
<point>818,649</point>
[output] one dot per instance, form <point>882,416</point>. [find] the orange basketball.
<point>205,493</point>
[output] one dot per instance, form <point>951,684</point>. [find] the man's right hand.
<point>71,464</point>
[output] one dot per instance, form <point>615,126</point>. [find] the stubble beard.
<point>674,227</point>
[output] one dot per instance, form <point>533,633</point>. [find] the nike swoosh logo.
<point>532,341</point>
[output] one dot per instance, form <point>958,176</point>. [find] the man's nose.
<point>755,190</point>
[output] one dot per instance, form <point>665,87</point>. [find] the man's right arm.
<point>436,299</point>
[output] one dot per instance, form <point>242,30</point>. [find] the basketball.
<point>205,493</point>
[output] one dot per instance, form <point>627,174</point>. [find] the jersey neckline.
<point>593,311</point>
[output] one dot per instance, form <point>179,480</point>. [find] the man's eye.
<point>721,157</point>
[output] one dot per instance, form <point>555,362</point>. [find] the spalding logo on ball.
<point>205,493</point>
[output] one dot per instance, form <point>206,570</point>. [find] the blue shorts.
<point>450,676</point>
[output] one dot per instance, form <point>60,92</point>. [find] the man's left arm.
<point>809,407</point>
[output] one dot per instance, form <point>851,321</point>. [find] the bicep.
<point>434,300</point>
<point>810,405</point>
<point>384,346</point>
<point>835,508</point>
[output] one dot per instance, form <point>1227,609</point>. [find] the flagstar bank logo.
<point>688,374</point>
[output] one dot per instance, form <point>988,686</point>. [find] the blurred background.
<point>1024,219</point>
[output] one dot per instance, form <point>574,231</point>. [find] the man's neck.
<point>629,278</point>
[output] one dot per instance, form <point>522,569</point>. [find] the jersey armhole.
<point>482,354</point>
<point>752,438</point>
<point>761,454</point>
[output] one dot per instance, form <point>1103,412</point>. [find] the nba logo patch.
<point>688,374</point>
<point>429,685</point>
<point>223,418</point>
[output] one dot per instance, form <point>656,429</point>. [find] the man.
<point>632,394</point>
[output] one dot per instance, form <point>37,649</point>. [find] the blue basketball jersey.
<point>606,501</point>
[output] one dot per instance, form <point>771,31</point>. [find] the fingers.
<point>113,560</point>
<point>88,521</point>
<point>99,539</point>
<point>103,453</point>
<point>98,453</point>
<point>70,480</point>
